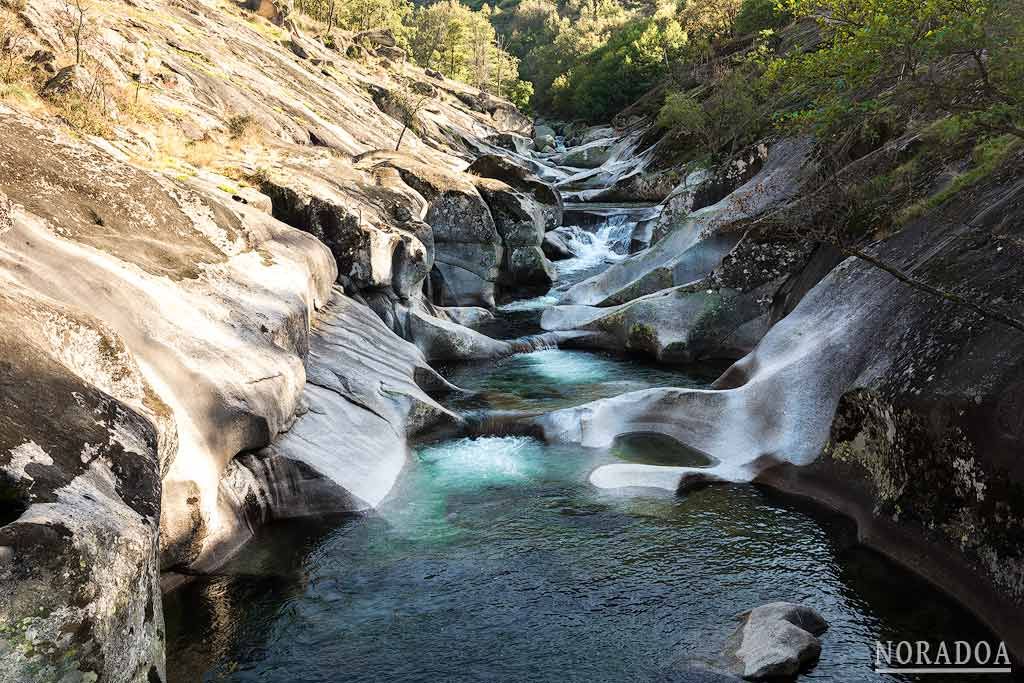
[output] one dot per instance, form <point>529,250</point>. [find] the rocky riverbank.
<point>225,311</point>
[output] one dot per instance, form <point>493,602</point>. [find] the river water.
<point>495,560</point>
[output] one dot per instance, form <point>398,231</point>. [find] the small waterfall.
<point>546,341</point>
<point>616,233</point>
<point>502,423</point>
<point>606,241</point>
<point>609,243</point>
<point>577,239</point>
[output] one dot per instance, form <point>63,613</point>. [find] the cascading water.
<point>494,559</point>
<point>594,248</point>
<point>609,243</point>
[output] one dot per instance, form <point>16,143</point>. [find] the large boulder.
<point>465,274</point>
<point>74,79</point>
<point>504,115</point>
<point>511,141</point>
<point>395,54</point>
<point>441,339</point>
<point>556,247</point>
<point>543,135</point>
<point>467,316</point>
<point>372,250</point>
<point>520,222</point>
<point>775,641</point>
<point>504,169</point>
<point>565,242</point>
<point>528,268</point>
<point>678,205</point>
<point>518,218</point>
<point>678,325</point>
<point>468,248</point>
<point>590,155</point>
<point>376,38</point>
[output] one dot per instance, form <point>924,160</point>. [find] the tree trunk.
<point>906,279</point>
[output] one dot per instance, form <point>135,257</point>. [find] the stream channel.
<point>494,559</point>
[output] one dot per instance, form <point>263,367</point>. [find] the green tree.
<point>964,57</point>
<point>732,115</point>
<point>616,74</point>
<point>364,15</point>
<point>758,15</point>
<point>709,20</point>
<point>463,44</point>
<point>359,15</point>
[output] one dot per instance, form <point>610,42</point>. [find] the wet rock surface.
<point>187,385</point>
<point>227,355</point>
<point>775,642</point>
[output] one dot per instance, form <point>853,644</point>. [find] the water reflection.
<point>558,378</point>
<point>648,448</point>
<point>495,561</point>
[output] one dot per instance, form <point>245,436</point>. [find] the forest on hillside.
<point>521,340</point>
<point>719,75</point>
<point>861,60</point>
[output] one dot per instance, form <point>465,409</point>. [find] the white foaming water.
<point>608,245</point>
<point>538,303</point>
<point>487,460</point>
<point>575,366</point>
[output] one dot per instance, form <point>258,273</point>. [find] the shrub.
<point>758,15</point>
<point>730,117</point>
<point>91,113</point>
<point>683,113</point>
<point>243,126</point>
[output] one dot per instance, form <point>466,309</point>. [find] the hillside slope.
<point>162,326</point>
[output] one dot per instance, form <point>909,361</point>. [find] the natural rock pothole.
<point>12,503</point>
<point>651,448</point>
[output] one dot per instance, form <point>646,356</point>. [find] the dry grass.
<point>91,113</point>
<point>21,96</point>
<point>244,128</point>
<point>265,28</point>
<point>129,112</point>
<point>135,105</point>
<point>202,153</point>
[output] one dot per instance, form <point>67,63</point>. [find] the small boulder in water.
<point>568,241</point>
<point>556,247</point>
<point>541,132</point>
<point>591,155</point>
<point>527,266</point>
<point>775,641</point>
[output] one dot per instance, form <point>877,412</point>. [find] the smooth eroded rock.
<point>774,641</point>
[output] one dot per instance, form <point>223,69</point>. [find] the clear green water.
<point>557,378</point>
<point>495,560</point>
